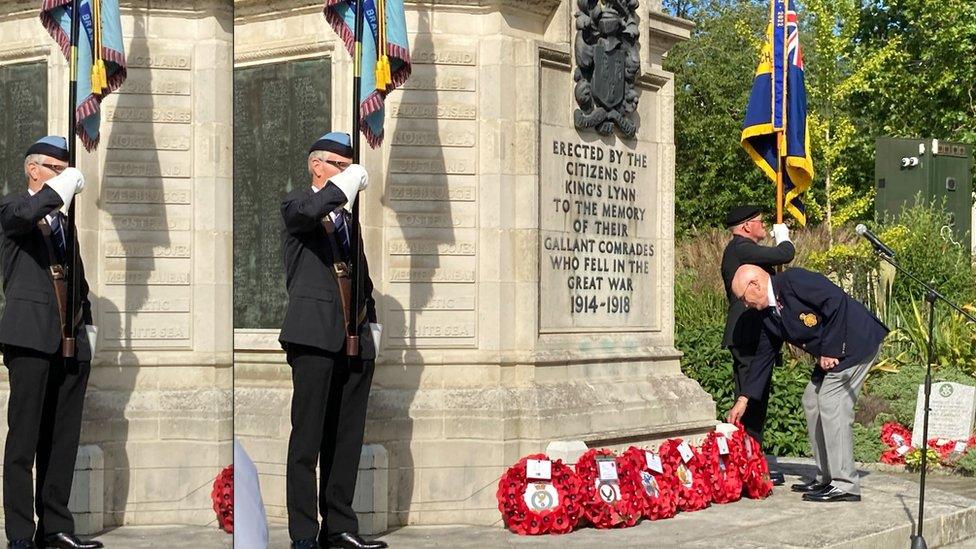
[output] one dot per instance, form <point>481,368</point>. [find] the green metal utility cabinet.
<point>937,169</point>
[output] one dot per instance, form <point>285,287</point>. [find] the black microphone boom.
<point>879,246</point>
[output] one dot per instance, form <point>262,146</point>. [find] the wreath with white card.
<point>539,496</point>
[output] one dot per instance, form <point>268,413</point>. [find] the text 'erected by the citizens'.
<point>597,250</point>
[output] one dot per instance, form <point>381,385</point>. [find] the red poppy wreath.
<point>608,501</point>
<point>756,483</point>
<point>899,441</point>
<point>723,456</point>
<point>222,496</point>
<point>654,482</point>
<point>544,500</point>
<point>693,489</point>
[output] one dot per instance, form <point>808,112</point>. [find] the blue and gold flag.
<point>101,56</point>
<point>775,124</point>
<point>385,55</point>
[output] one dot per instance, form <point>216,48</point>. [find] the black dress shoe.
<point>62,540</point>
<point>348,540</point>
<point>305,544</point>
<point>777,478</point>
<point>807,487</point>
<point>21,544</point>
<point>830,495</point>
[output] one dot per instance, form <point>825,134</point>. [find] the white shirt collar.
<point>771,295</point>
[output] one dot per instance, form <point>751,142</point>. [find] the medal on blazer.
<point>809,319</point>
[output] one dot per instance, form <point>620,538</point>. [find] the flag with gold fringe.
<point>775,132</point>
<point>101,56</point>
<point>385,54</point>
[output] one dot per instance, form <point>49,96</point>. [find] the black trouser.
<point>754,420</point>
<point>47,394</point>
<point>328,416</point>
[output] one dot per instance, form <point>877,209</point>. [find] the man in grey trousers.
<point>811,312</point>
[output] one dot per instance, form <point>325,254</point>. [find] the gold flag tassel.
<point>99,76</point>
<point>384,78</point>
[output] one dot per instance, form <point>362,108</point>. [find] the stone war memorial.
<point>154,225</point>
<point>519,230</point>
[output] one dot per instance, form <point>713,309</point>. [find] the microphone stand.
<point>931,296</point>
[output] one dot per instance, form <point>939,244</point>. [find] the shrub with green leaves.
<point>900,389</point>
<point>967,463</point>
<point>867,443</point>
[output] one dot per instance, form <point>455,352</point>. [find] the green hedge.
<point>710,365</point>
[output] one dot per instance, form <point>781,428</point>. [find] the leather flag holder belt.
<point>341,270</point>
<point>59,279</point>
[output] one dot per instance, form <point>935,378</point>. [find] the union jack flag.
<point>774,131</point>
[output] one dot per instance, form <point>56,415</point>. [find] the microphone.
<point>879,246</point>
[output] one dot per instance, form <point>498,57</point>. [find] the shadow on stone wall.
<point>110,406</point>
<point>390,422</point>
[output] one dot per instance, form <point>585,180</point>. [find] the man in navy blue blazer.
<point>808,310</point>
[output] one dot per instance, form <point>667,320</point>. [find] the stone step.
<point>883,519</point>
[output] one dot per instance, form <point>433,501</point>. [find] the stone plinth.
<point>155,228</point>
<point>488,353</point>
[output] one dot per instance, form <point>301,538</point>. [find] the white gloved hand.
<point>92,332</point>
<point>781,233</point>
<point>67,184</point>
<point>377,331</point>
<point>350,181</point>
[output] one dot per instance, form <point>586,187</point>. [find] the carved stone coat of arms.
<point>607,63</point>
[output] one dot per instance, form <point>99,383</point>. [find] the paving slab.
<point>885,518</point>
<point>146,537</point>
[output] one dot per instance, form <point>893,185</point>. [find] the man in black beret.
<point>330,387</point>
<point>742,327</point>
<point>48,373</point>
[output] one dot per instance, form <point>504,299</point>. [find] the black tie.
<point>342,229</point>
<point>58,233</point>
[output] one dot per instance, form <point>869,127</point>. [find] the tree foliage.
<point>873,67</point>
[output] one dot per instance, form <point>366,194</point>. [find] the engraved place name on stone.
<point>432,275</point>
<point>155,305</point>
<point>159,115</point>
<point>118,195</point>
<point>436,304</point>
<point>155,87</point>
<point>129,222</point>
<point>432,165</point>
<point>448,111</point>
<point>430,247</point>
<point>146,249</point>
<point>434,139</point>
<point>146,169</point>
<point>444,56</point>
<point>164,278</point>
<point>151,332</point>
<point>430,193</point>
<point>432,220</point>
<point>439,82</point>
<point>148,141</point>
<point>436,330</point>
<point>176,61</point>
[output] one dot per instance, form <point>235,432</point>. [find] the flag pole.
<point>68,335</point>
<point>779,181</point>
<point>352,348</point>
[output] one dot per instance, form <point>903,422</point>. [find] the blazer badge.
<point>809,319</point>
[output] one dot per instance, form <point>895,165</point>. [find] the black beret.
<point>738,214</point>
<point>334,142</point>
<point>54,146</point>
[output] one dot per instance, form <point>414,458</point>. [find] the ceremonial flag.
<point>101,56</point>
<point>774,132</point>
<point>385,55</point>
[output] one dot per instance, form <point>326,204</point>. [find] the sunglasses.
<point>338,164</point>
<point>54,167</point>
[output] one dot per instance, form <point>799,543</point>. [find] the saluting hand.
<point>738,410</point>
<point>828,363</point>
